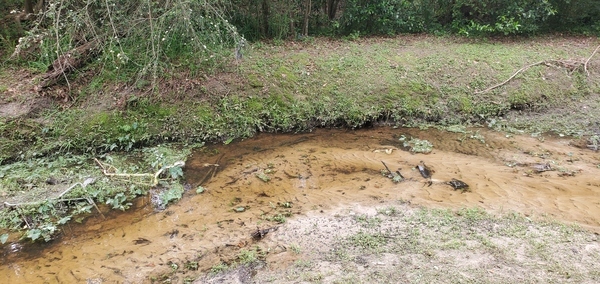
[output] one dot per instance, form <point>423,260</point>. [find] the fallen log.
<point>67,63</point>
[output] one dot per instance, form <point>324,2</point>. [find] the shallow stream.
<point>261,182</point>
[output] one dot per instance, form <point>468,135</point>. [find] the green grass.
<point>404,81</point>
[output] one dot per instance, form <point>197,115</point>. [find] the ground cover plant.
<point>40,195</point>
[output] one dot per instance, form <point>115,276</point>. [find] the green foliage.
<point>29,179</point>
<point>417,145</point>
<point>247,256</point>
<point>386,17</point>
<point>138,38</point>
<point>172,194</point>
<point>218,268</point>
<point>3,238</point>
<point>119,201</point>
<point>280,19</point>
<point>500,16</point>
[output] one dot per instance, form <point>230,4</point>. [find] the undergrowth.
<point>43,194</point>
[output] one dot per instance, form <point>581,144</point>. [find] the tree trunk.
<point>306,17</point>
<point>332,6</point>
<point>28,6</point>
<point>265,18</point>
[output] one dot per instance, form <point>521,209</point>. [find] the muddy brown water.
<point>273,177</point>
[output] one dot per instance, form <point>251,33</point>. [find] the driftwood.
<point>572,65</point>
<point>68,62</point>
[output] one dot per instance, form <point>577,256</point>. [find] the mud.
<point>264,181</point>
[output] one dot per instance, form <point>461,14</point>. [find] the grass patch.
<point>426,244</point>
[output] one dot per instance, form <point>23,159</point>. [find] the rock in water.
<point>458,184</point>
<point>424,170</point>
<point>542,167</point>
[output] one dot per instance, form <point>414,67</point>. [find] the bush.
<point>500,16</point>
<point>138,37</point>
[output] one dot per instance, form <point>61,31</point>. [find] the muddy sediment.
<point>261,182</point>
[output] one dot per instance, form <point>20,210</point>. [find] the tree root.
<point>572,65</point>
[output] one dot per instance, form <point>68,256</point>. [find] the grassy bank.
<point>296,86</point>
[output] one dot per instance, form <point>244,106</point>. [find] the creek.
<point>261,182</point>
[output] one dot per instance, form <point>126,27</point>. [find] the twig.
<point>95,206</point>
<point>564,63</point>
<point>386,167</point>
<point>588,60</point>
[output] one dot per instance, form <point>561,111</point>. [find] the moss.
<point>254,81</point>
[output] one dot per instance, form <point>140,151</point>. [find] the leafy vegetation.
<point>44,195</point>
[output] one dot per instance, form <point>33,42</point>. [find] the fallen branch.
<point>510,78</point>
<point>107,170</point>
<point>588,60</point>
<point>569,64</point>
<point>67,63</point>
<point>85,183</point>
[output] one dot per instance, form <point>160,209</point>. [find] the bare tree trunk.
<point>306,17</point>
<point>28,6</point>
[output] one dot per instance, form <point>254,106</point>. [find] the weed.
<point>174,193</point>
<point>191,265</point>
<point>247,256</point>
<point>295,248</point>
<point>279,218</point>
<point>417,145</point>
<point>263,176</point>
<point>367,240</point>
<point>218,268</point>
<point>286,204</point>
<point>303,264</point>
<point>388,211</point>
<point>368,221</point>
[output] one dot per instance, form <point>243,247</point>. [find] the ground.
<point>504,232</point>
